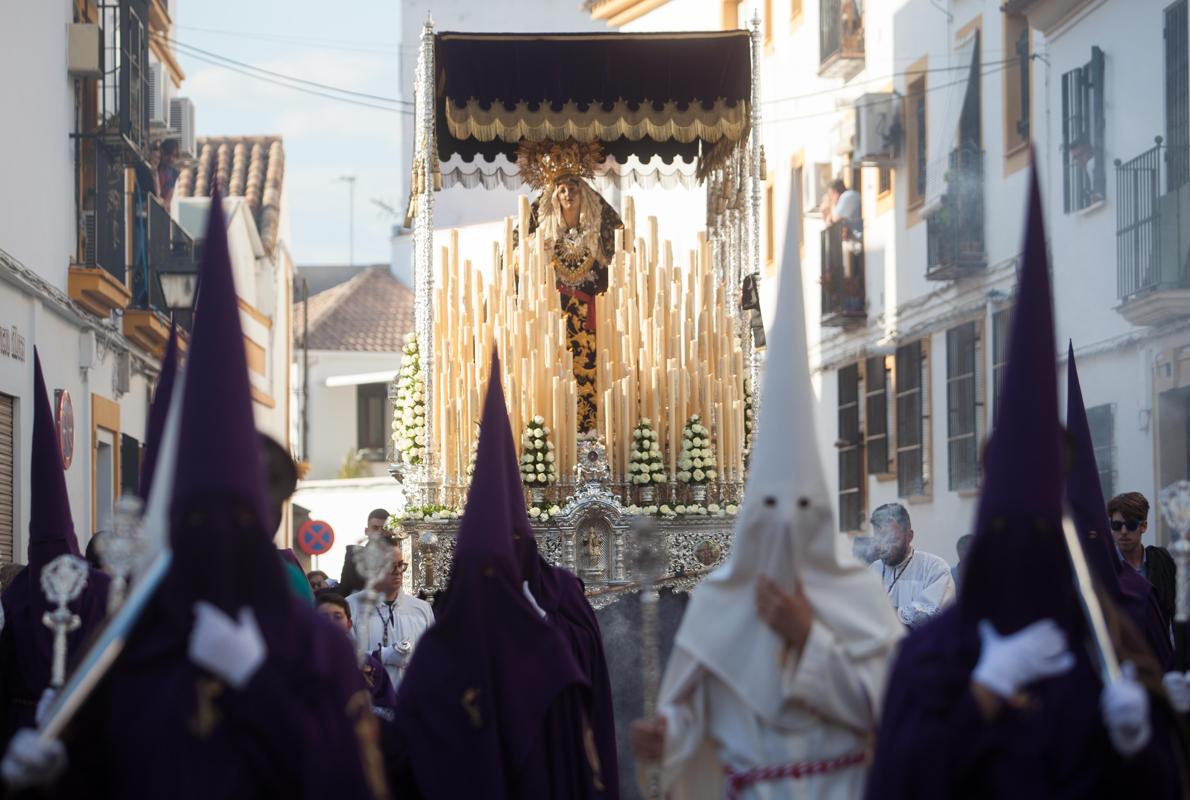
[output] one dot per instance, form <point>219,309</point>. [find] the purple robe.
<point>26,644</point>
<point>1130,590</point>
<point>161,726</point>
<point>933,742</point>
<point>493,703</point>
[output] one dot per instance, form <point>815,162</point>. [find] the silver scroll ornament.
<point>122,548</point>
<point>62,581</point>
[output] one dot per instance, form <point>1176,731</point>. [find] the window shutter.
<point>1098,121</point>
<point>876,415</point>
<point>1177,94</point>
<point>850,445</point>
<point>1102,421</point>
<point>129,464</point>
<point>910,452</point>
<point>961,406</point>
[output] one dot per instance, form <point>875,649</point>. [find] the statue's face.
<point>568,195</point>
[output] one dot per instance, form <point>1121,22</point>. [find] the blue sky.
<point>352,45</point>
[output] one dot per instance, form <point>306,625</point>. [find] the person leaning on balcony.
<point>841,205</point>
<point>1129,515</point>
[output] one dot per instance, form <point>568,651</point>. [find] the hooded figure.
<point>999,696</point>
<point>1130,590</point>
<point>559,594</point>
<point>158,411</point>
<point>493,703</point>
<point>229,686</point>
<point>26,644</point>
<point>748,712</point>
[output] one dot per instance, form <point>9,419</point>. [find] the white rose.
<point>699,475</point>
<point>713,508</point>
<point>732,508</point>
<point>665,509</point>
<point>549,445</point>
<point>535,512</point>
<point>679,509</point>
<point>697,462</point>
<point>634,509</point>
<point>711,474</point>
<point>683,476</point>
<point>549,457</point>
<point>554,509</point>
<point>541,467</point>
<point>539,420</point>
<point>701,511</point>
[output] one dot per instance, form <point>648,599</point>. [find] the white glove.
<point>396,655</point>
<point>1177,686</point>
<point>1125,707</point>
<point>1008,663</point>
<point>230,649</point>
<point>32,762</point>
<point>43,705</point>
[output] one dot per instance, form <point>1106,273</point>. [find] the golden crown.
<point>543,163</point>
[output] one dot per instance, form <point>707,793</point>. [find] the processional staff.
<point>650,565</point>
<point>373,561</point>
<point>121,549</point>
<point>62,581</point>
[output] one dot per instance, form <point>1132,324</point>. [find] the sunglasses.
<point>400,567</point>
<point>1131,525</point>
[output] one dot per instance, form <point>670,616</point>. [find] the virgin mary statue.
<point>579,231</point>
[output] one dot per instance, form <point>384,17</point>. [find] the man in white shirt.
<point>918,583</point>
<point>397,622</point>
<point>842,205</point>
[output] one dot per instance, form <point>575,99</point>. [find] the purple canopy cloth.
<point>26,644</point>
<point>493,702</point>
<point>934,741</point>
<point>1127,587</point>
<point>161,726</point>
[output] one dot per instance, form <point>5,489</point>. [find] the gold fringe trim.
<point>721,121</point>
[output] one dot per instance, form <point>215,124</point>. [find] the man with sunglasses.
<point>397,622</point>
<point>1129,513</point>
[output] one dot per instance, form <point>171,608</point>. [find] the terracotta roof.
<point>372,312</point>
<point>252,167</point>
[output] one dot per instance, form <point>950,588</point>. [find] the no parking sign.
<point>315,537</point>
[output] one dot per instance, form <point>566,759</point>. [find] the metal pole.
<point>305,370</point>
<point>350,181</point>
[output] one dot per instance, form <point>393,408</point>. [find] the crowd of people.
<point>798,670</point>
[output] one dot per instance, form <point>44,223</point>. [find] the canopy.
<point>646,97</point>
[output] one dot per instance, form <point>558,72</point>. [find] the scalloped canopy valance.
<point>646,97</point>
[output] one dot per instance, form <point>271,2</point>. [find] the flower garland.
<point>543,512</point>
<point>691,510</point>
<point>537,455</point>
<point>748,414</point>
<point>697,461</point>
<point>424,514</point>
<point>409,410</point>
<point>645,465</point>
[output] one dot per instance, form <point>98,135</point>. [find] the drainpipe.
<point>305,371</point>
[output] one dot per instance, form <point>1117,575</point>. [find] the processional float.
<point>629,388</point>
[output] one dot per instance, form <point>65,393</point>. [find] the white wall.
<point>345,505</point>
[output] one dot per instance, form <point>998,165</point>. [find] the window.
<point>1001,324</point>
<point>1017,77</point>
<point>911,416</point>
<point>1177,95</point>
<point>129,464</point>
<point>962,405</point>
<point>371,402</point>
<point>916,139</point>
<point>876,410</point>
<point>884,179</point>
<point>850,445</point>
<point>1083,168</point>
<point>1102,421</point>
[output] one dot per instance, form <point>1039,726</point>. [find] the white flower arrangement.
<point>537,455</point>
<point>748,415</point>
<point>644,465</point>
<point>409,408</point>
<point>544,512</point>
<point>425,514</point>
<point>696,464</point>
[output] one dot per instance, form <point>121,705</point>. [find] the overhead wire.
<point>882,79</point>
<point>318,44</point>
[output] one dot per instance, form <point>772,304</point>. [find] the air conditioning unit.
<point>122,376</point>
<point>877,128</point>
<point>158,98</point>
<point>181,125</point>
<point>815,179</point>
<point>84,58</point>
<point>90,238</point>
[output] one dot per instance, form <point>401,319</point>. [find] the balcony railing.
<point>955,243</point>
<point>840,38</point>
<point>1153,221</point>
<point>843,301</point>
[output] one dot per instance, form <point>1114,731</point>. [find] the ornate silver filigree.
<point>373,561</point>
<point>122,548</point>
<point>62,581</point>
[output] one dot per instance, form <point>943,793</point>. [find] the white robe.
<point>831,700</point>
<point>410,619</point>
<point>918,589</point>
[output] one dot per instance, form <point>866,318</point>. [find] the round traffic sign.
<point>315,537</point>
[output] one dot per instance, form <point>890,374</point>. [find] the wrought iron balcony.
<point>840,38</point>
<point>1153,234</point>
<point>843,301</point>
<point>955,245</point>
